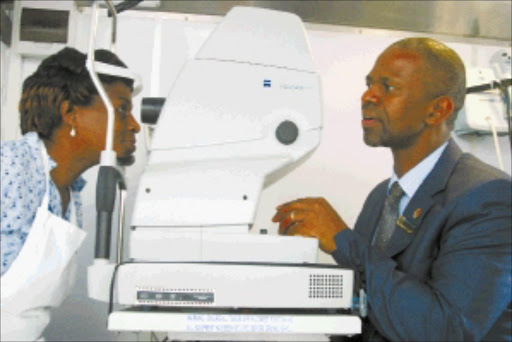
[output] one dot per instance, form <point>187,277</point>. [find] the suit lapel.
<point>420,204</point>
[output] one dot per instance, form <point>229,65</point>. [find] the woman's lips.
<point>132,143</point>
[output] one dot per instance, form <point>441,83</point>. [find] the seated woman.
<point>63,121</point>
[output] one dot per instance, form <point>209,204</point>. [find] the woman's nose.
<point>134,125</point>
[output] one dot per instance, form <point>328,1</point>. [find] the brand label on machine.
<point>239,323</point>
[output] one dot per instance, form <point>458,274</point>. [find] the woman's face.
<point>91,122</point>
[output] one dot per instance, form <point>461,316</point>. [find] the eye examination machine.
<point>242,113</point>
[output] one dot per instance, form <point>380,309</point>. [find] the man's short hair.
<point>447,74</point>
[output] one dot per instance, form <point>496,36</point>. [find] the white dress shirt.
<point>411,181</point>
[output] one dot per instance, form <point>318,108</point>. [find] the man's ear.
<point>67,113</point>
<point>439,110</point>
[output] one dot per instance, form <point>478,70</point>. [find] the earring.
<point>72,133</point>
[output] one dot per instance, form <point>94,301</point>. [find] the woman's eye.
<point>122,110</point>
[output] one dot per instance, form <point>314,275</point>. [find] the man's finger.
<point>284,227</point>
<point>300,229</point>
<point>301,203</point>
<point>285,213</point>
<point>289,219</point>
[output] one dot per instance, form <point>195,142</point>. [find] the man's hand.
<point>310,217</point>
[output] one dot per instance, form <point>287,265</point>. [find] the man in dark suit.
<point>432,244</point>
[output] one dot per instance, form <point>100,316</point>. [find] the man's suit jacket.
<point>446,272</point>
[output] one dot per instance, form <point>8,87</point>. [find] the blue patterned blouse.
<point>22,190</point>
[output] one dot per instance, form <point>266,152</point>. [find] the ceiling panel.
<point>477,19</point>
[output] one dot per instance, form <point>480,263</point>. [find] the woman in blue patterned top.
<point>63,121</point>
<point>61,107</point>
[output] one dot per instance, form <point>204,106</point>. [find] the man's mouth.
<point>369,121</point>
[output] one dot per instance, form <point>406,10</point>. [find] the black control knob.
<point>287,132</point>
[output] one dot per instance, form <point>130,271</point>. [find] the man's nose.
<point>370,96</point>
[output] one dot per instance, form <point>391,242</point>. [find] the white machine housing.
<point>226,285</point>
<point>215,146</point>
<point>241,114</point>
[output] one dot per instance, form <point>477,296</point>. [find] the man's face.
<point>94,122</point>
<point>395,104</point>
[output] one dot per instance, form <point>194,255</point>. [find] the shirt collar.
<point>78,184</point>
<point>32,139</point>
<point>411,181</point>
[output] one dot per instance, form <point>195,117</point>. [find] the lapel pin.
<point>405,225</point>
<point>417,213</point>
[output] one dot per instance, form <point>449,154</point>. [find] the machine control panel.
<point>166,297</point>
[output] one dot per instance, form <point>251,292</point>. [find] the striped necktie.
<point>389,216</point>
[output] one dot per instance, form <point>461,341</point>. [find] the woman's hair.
<point>59,77</point>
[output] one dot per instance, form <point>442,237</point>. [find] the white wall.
<point>343,169</point>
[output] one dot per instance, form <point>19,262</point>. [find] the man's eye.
<point>388,87</point>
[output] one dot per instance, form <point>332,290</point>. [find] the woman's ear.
<point>439,110</point>
<point>67,113</point>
